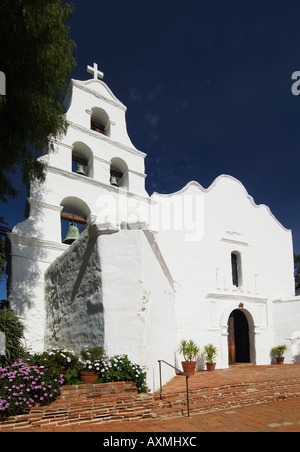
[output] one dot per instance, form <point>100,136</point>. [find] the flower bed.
<point>38,381</point>
<point>22,386</point>
<point>120,368</point>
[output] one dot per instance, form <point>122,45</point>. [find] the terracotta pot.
<point>210,366</point>
<point>189,367</point>
<point>279,359</point>
<point>88,377</point>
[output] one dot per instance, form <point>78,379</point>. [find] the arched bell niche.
<point>82,160</point>
<point>118,172</point>
<point>74,217</point>
<point>100,121</point>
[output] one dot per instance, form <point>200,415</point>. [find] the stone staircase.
<point>208,391</point>
<point>206,400</point>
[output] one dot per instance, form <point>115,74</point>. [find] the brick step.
<point>230,389</point>
<point>87,403</point>
<point>213,399</point>
<point>115,402</point>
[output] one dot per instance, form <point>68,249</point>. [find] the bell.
<point>72,234</point>
<point>80,169</point>
<point>113,181</point>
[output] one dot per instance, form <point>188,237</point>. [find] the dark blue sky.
<point>208,85</point>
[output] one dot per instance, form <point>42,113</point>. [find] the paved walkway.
<point>267,417</point>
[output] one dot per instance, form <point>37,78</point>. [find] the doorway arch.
<point>238,337</point>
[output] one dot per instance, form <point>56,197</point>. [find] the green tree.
<point>13,329</point>
<point>37,59</point>
<point>3,231</point>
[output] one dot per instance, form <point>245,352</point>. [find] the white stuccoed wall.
<point>139,302</point>
<point>201,265</point>
<point>287,327</point>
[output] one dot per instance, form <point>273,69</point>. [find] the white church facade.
<point>147,271</point>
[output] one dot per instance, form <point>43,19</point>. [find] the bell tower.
<point>97,137</point>
<point>94,174</point>
<point>95,171</point>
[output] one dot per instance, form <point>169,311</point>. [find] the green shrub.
<point>189,349</point>
<point>13,329</point>
<point>92,353</point>
<point>279,351</point>
<point>56,361</point>
<point>210,353</point>
<point>120,368</point>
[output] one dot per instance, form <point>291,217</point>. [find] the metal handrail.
<point>186,382</point>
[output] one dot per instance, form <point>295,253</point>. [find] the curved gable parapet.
<point>100,90</point>
<point>213,185</point>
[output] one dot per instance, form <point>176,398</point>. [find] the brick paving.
<point>266,417</point>
<point>239,399</point>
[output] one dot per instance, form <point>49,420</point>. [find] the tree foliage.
<point>13,329</point>
<point>37,59</point>
<point>3,231</point>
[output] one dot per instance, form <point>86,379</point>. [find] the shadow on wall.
<point>296,359</point>
<point>73,296</point>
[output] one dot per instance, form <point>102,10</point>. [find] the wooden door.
<point>231,341</point>
<point>238,338</point>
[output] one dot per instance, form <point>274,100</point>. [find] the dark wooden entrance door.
<point>231,340</point>
<point>238,338</point>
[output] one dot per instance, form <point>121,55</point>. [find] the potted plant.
<point>190,351</point>
<point>90,364</point>
<point>278,353</point>
<point>89,371</point>
<point>210,353</point>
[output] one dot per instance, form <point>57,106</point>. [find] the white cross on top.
<point>94,70</point>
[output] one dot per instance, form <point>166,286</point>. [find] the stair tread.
<point>207,393</point>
